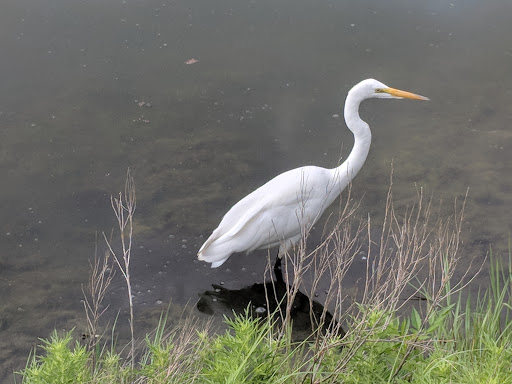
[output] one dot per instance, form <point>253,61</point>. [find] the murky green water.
<point>90,88</point>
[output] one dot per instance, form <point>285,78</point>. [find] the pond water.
<point>90,88</point>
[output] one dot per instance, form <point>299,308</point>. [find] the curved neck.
<point>362,140</point>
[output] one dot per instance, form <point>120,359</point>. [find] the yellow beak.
<point>403,94</point>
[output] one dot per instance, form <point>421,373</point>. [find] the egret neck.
<point>362,139</point>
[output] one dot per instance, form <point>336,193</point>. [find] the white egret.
<point>280,211</point>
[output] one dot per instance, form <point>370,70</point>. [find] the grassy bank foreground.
<point>456,345</point>
<point>409,323</point>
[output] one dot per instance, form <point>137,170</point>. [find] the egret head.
<point>371,88</point>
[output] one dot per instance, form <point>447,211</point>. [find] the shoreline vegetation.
<point>410,322</point>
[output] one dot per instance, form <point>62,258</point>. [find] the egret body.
<point>279,212</point>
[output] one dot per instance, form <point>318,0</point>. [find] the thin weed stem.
<point>124,210</point>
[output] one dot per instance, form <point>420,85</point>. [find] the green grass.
<point>60,363</point>
<point>458,342</point>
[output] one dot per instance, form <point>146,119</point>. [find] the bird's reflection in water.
<point>267,298</point>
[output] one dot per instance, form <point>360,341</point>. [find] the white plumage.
<point>280,211</point>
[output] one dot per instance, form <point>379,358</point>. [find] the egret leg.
<point>278,271</point>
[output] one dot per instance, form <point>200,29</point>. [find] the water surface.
<point>92,88</point>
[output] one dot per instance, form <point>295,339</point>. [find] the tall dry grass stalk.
<point>186,341</point>
<point>100,277</point>
<point>415,253</point>
<point>124,210</point>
